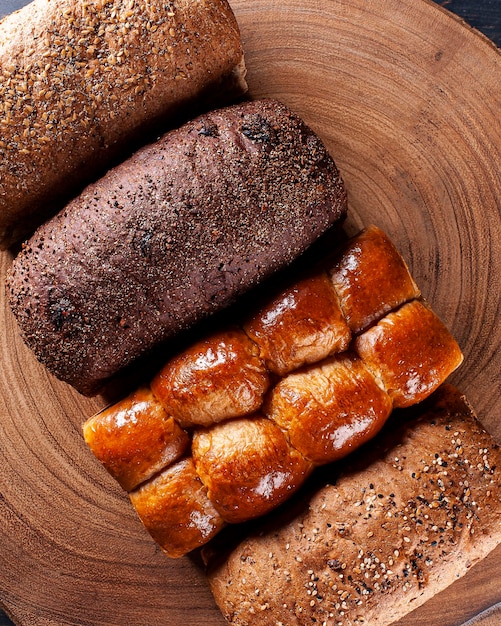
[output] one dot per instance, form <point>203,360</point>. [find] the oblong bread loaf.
<point>80,80</point>
<point>418,507</point>
<point>173,234</point>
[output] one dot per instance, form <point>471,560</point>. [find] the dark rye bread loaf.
<point>81,81</point>
<point>419,506</point>
<point>174,234</point>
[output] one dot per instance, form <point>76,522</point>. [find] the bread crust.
<point>371,278</point>
<point>301,325</point>
<point>248,466</point>
<point>175,509</point>
<point>329,409</point>
<point>412,513</point>
<point>392,348</point>
<point>173,234</point>
<point>83,81</point>
<point>219,378</point>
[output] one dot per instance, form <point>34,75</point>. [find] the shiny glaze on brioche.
<point>371,279</point>
<point>135,438</point>
<point>248,466</point>
<point>410,351</point>
<point>220,377</point>
<point>175,509</point>
<point>302,325</point>
<point>329,409</point>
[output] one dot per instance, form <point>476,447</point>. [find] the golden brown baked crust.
<point>175,509</point>
<point>371,278</point>
<point>218,378</point>
<point>135,438</point>
<point>330,409</point>
<point>412,513</point>
<point>248,466</point>
<point>410,351</point>
<point>80,80</point>
<point>303,324</point>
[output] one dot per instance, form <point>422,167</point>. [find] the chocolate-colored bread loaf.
<point>175,233</point>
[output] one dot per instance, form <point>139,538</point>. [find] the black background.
<point>485,15</point>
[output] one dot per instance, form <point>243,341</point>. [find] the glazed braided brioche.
<point>232,426</point>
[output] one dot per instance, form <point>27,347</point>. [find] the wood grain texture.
<point>407,99</point>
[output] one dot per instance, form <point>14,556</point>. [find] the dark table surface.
<point>485,15</point>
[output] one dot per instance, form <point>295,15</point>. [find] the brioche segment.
<point>177,494</point>
<point>302,325</point>
<point>194,384</point>
<point>85,79</point>
<point>135,438</point>
<point>409,515</point>
<point>329,409</point>
<point>371,279</point>
<point>248,466</point>
<point>409,375</point>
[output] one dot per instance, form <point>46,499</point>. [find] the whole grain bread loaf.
<point>173,234</point>
<point>81,81</point>
<point>416,508</point>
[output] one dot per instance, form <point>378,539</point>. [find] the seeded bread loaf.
<point>83,81</point>
<point>173,234</point>
<point>411,514</point>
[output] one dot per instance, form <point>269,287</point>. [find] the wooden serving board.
<point>408,101</point>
